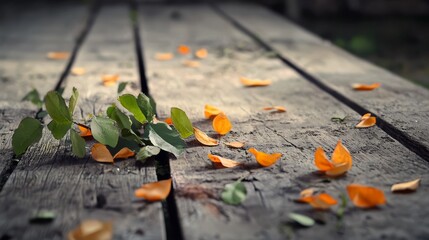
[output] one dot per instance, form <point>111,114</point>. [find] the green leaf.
<point>78,144</point>
<point>166,138</point>
<point>60,91</point>
<point>105,131</point>
<point>43,216</point>
<point>56,107</point>
<point>130,103</point>
<point>59,130</point>
<point>122,86</point>
<point>234,193</point>
<point>73,100</point>
<point>146,152</point>
<point>181,122</point>
<point>121,118</point>
<point>302,219</point>
<point>152,104</point>
<point>34,97</point>
<point>28,132</point>
<point>146,106</point>
<point>131,135</point>
<point>41,114</point>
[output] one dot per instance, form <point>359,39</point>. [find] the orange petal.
<point>109,79</point>
<point>201,53</point>
<point>164,56</point>
<point>92,229</point>
<point>84,132</point>
<point>365,87</point>
<point>265,159</point>
<point>221,124</point>
<point>365,196</point>
<point>191,63</point>
<point>100,153</point>
<point>235,144</point>
<point>342,155</point>
<point>365,116</point>
<point>307,192</point>
<point>366,123</point>
<point>406,186</point>
<point>78,71</point>
<point>124,153</point>
<point>254,82</point>
<point>155,191</point>
<point>204,139</point>
<point>169,121</point>
<point>58,55</point>
<point>183,49</point>
<point>211,111</point>
<point>277,108</point>
<point>320,201</point>
<point>337,170</point>
<point>228,163</point>
<point>321,161</point>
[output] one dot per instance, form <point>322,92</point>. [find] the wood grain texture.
<point>379,160</point>
<point>49,178</point>
<point>399,102</point>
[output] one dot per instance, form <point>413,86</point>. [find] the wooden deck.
<point>311,78</point>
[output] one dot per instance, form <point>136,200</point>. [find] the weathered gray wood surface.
<point>48,177</point>
<point>379,160</point>
<point>400,103</point>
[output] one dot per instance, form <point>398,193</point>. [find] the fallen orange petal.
<point>320,201</point>
<point>124,153</point>
<point>201,53</point>
<point>211,111</point>
<point>78,71</point>
<point>307,192</point>
<point>365,196</point>
<point>155,191</point>
<point>100,153</point>
<point>367,121</point>
<point>365,116</point>
<point>321,161</point>
<point>109,79</point>
<point>228,163</point>
<point>84,132</point>
<point>265,159</point>
<point>365,87</point>
<point>58,55</point>
<point>254,82</point>
<point>169,121</point>
<point>164,56</point>
<point>342,155</point>
<point>92,229</point>
<point>204,139</point>
<point>277,108</point>
<point>221,124</point>
<point>191,63</point>
<point>406,186</point>
<point>337,170</point>
<point>183,49</point>
<point>235,144</point>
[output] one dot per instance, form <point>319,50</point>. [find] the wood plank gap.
<point>401,136</point>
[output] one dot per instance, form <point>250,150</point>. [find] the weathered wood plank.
<point>400,103</point>
<point>49,177</point>
<point>379,160</point>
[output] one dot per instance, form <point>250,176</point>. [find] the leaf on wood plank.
<point>59,130</point>
<point>183,49</point>
<point>211,111</point>
<point>203,138</point>
<point>42,216</point>
<point>124,153</point>
<point>73,100</point>
<point>406,186</point>
<point>34,97</point>
<point>92,229</point>
<point>129,102</point>
<point>191,63</point>
<point>365,196</point>
<point>109,79</point>
<point>340,164</point>
<point>123,121</point>
<point>254,82</point>
<point>201,53</point>
<point>234,193</point>
<point>105,131</point>
<point>147,152</point>
<point>225,162</point>
<point>166,138</point>
<point>58,55</point>
<point>276,108</point>
<point>265,159</point>
<point>321,201</point>
<point>100,153</point>
<point>155,191</point>
<point>235,144</point>
<point>181,122</point>
<point>164,56</point>
<point>84,131</point>
<point>57,108</point>
<point>366,121</point>
<point>302,219</point>
<point>78,144</point>
<point>365,87</point>
<point>221,124</point>
<point>28,132</point>
<point>121,86</point>
<point>78,71</point>
<point>147,106</point>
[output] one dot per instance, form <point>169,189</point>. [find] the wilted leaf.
<point>367,121</point>
<point>78,144</point>
<point>183,49</point>
<point>146,152</point>
<point>235,144</point>
<point>228,163</point>
<point>73,100</point>
<point>109,79</point>
<point>129,102</point>
<point>28,132</point>
<point>164,56</point>
<point>57,108</point>
<point>191,63</point>
<point>221,124</point>
<point>211,111</point>
<point>341,161</point>
<point>58,55</point>
<point>319,201</point>
<point>100,153</point>
<point>181,122</point>
<point>365,196</point>
<point>105,131</point>
<point>406,186</point>
<point>203,138</point>
<point>277,108</point>
<point>155,191</point>
<point>254,82</point>
<point>302,219</point>
<point>121,86</point>
<point>34,97</point>
<point>166,138</point>
<point>201,53</point>
<point>124,153</point>
<point>92,230</point>
<point>234,193</point>
<point>59,130</point>
<point>78,71</point>
<point>265,159</point>
<point>365,87</point>
<point>84,131</point>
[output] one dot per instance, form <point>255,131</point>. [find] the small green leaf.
<point>60,91</point>
<point>43,216</point>
<point>234,193</point>
<point>146,152</point>
<point>181,122</point>
<point>34,97</point>
<point>166,138</point>
<point>339,119</point>
<point>129,102</point>
<point>121,86</point>
<point>152,104</point>
<point>41,114</point>
<point>145,105</point>
<point>302,219</point>
<point>78,144</point>
<point>57,108</point>
<point>121,118</point>
<point>59,130</point>
<point>28,132</point>
<point>129,134</point>
<point>73,100</point>
<point>105,131</point>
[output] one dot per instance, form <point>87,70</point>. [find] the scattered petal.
<point>109,79</point>
<point>211,111</point>
<point>254,82</point>
<point>320,201</point>
<point>84,131</point>
<point>164,56</point>
<point>100,153</point>
<point>321,161</point>
<point>201,53</point>
<point>342,155</point>
<point>365,196</point>
<point>124,153</point>
<point>155,191</point>
<point>367,121</point>
<point>340,164</point>
<point>277,108</point>
<point>203,138</point>
<point>337,170</point>
<point>183,49</point>
<point>228,163</point>
<point>169,121</point>
<point>78,71</point>
<point>307,192</point>
<point>235,144</point>
<point>58,55</point>
<point>366,87</point>
<point>265,159</point>
<point>365,116</point>
<point>191,63</point>
<point>92,229</point>
<point>221,124</point>
<point>406,186</point>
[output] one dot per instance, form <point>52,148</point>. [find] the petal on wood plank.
<point>406,186</point>
<point>254,82</point>
<point>265,159</point>
<point>228,163</point>
<point>203,138</point>
<point>221,124</point>
<point>100,153</point>
<point>365,196</point>
<point>155,191</point>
